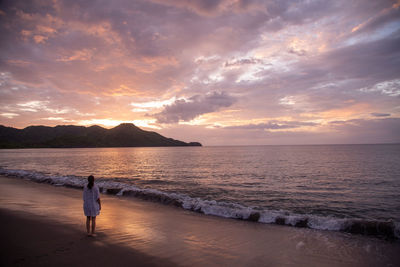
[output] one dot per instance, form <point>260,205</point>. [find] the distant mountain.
<point>124,135</point>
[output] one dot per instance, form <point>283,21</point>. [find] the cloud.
<point>385,16</point>
<point>358,131</point>
<point>273,125</point>
<point>390,88</point>
<point>380,114</point>
<point>186,110</point>
<point>9,115</point>
<point>355,132</point>
<point>214,7</point>
<point>300,52</point>
<point>243,61</point>
<point>33,106</point>
<point>351,60</point>
<point>279,62</point>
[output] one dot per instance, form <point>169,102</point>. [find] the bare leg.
<point>88,225</point>
<point>93,224</point>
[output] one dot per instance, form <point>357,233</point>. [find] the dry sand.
<point>43,225</point>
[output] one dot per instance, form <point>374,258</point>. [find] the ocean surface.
<point>351,188</point>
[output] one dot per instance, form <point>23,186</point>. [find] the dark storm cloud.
<point>186,110</point>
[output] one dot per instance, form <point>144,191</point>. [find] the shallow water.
<point>325,185</point>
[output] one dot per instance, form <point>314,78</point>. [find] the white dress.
<point>90,204</point>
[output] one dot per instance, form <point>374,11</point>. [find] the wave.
<point>386,229</point>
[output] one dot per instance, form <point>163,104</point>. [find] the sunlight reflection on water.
<point>342,180</point>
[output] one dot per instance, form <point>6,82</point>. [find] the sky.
<point>221,72</point>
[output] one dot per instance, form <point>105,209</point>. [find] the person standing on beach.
<point>91,204</point>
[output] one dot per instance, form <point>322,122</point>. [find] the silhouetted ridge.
<point>124,135</point>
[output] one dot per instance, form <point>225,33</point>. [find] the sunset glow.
<point>227,72</point>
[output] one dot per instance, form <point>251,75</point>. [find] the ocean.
<point>350,188</point>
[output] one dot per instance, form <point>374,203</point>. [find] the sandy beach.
<point>29,240</point>
<point>43,225</point>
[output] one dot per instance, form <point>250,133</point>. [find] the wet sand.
<point>43,225</point>
<point>33,241</point>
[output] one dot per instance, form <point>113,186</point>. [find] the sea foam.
<point>387,229</point>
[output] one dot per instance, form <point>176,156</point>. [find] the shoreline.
<point>158,234</point>
<point>387,229</point>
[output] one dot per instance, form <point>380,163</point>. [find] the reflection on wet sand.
<point>188,238</point>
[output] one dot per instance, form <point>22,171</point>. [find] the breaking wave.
<point>386,229</point>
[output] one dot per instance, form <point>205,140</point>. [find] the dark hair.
<point>90,181</point>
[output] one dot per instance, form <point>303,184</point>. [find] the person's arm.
<point>98,198</point>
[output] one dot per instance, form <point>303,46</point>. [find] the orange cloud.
<point>122,90</point>
<point>151,64</point>
<point>46,26</point>
<point>351,112</point>
<point>82,55</point>
<point>40,39</point>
